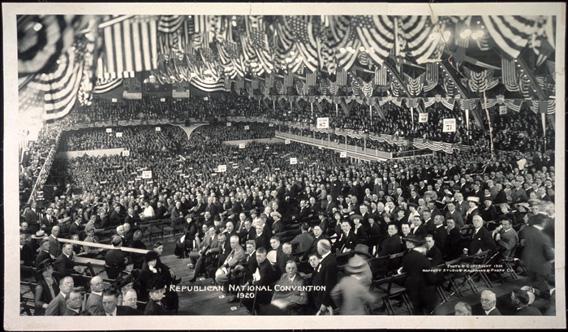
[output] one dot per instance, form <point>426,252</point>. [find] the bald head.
<point>97,284</point>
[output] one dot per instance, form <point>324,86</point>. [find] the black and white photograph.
<point>283,165</point>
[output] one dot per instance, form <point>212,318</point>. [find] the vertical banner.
<point>467,119</point>
<point>412,116</point>
<point>543,119</point>
<point>336,109</point>
<point>273,105</point>
<point>312,108</point>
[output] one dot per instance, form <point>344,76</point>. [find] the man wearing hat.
<point>360,231</point>
<point>156,293</point>
<point>419,284</point>
<point>43,251</point>
<point>362,251</point>
<point>473,209</point>
<point>538,254</point>
<point>277,225</point>
<point>352,294</point>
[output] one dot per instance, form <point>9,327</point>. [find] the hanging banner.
<point>119,134</point>
<point>322,123</point>
<point>131,95</point>
<point>158,129</point>
<point>343,154</point>
<point>221,168</point>
<point>146,174</point>
<point>109,130</point>
<point>293,161</point>
<point>182,94</point>
<point>422,117</point>
<point>449,126</point>
<point>502,110</point>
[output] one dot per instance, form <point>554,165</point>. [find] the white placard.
<point>146,174</point>
<point>449,126</point>
<point>293,161</point>
<point>114,100</point>
<point>521,163</point>
<point>322,123</point>
<point>126,153</point>
<point>163,100</point>
<point>158,129</point>
<point>271,125</point>
<point>229,124</point>
<point>343,154</point>
<point>422,117</point>
<point>502,110</point>
<point>222,168</point>
<point>242,145</point>
<point>118,134</point>
<point>286,141</point>
<point>247,127</point>
<point>109,130</point>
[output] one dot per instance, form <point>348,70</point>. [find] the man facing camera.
<point>110,301</point>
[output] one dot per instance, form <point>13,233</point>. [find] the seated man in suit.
<point>488,303</point>
<point>64,265</point>
<point>57,306</point>
<point>236,256</point>
<point>73,304</point>
<point>288,294</point>
<point>94,304</point>
<point>481,240</point>
<point>110,301</point>
<point>130,300</point>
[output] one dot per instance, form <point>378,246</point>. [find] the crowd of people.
<point>275,215</point>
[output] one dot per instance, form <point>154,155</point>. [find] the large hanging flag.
<point>510,33</point>
<point>423,38</point>
<point>170,23</point>
<point>130,46</point>
<point>376,34</point>
<point>42,39</point>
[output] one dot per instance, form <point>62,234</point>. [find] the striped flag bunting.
<point>510,33</point>
<point>61,87</point>
<point>376,34</point>
<point>480,81</point>
<point>106,85</point>
<point>509,74</point>
<point>417,31</point>
<point>170,23</point>
<point>42,40</point>
<point>381,77</point>
<point>130,46</point>
<point>311,78</point>
<point>341,78</point>
<point>300,29</point>
<point>414,85</point>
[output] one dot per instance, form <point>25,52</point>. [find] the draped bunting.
<point>509,74</point>
<point>381,78</point>
<point>376,34</point>
<point>510,33</point>
<point>480,81</point>
<point>418,32</point>
<point>414,85</point>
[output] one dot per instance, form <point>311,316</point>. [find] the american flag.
<point>170,23</point>
<point>341,77</point>
<point>130,46</point>
<point>381,78</point>
<point>311,79</point>
<point>289,80</point>
<point>376,34</point>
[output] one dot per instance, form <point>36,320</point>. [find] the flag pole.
<point>489,124</point>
